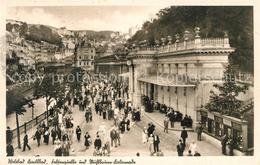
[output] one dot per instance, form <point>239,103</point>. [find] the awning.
<point>166,81</point>
<point>124,74</point>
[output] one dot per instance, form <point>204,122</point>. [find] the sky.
<point>116,18</point>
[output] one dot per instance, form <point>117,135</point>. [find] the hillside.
<point>213,21</point>
<point>97,35</point>
<point>38,32</point>
<point>35,33</point>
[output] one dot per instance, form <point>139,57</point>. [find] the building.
<point>84,56</point>
<point>181,75</point>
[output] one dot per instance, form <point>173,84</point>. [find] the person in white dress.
<point>193,147</point>
<point>144,135</point>
<point>150,143</point>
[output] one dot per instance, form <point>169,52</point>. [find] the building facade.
<point>181,75</point>
<point>84,57</point>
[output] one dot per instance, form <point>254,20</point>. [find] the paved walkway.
<point>172,137</point>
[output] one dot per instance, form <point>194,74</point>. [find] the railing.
<point>215,42</point>
<point>197,43</point>
<point>30,124</point>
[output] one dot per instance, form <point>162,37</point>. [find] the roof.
<point>167,80</point>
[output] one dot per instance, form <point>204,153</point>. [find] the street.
<point>131,142</point>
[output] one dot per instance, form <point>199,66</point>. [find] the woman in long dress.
<point>87,140</point>
<point>150,142</point>
<point>144,135</point>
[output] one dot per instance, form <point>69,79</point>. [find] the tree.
<point>15,102</point>
<point>51,88</point>
<point>226,101</point>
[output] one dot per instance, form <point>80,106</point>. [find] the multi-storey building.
<point>181,75</point>
<point>84,56</point>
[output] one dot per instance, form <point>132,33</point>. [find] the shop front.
<point>217,125</point>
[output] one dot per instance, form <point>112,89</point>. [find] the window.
<point>204,120</point>
<point>237,136</point>
<point>79,57</point>
<point>87,62</point>
<point>79,63</point>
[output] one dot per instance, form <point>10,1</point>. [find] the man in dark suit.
<point>78,132</point>
<point>180,148</point>
<point>156,142</point>
<point>37,136</point>
<point>97,143</point>
<point>184,135</point>
<point>25,142</point>
<point>9,135</point>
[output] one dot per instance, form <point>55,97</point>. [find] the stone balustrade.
<point>187,44</point>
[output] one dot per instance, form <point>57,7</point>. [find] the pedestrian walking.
<point>180,148</point>
<point>166,124</point>
<point>37,136</point>
<point>231,146</point>
<point>184,136</point>
<point>97,143</point>
<point>113,137</point>
<point>144,135</point>
<point>78,132</point>
<point>9,135</point>
<point>57,149</point>
<point>9,150</point>
<point>25,142</point>
<point>118,137</point>
<point>65,148</point>
<point>88,141</point>
<point>53,134</point>
<point>199,130</point>
<point>46,137</point>
<point>156,142</point>
<point>150,143</point>
<point>224,144</point>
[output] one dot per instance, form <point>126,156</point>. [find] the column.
<point>244,136</point>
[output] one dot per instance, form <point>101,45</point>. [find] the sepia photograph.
<point>129,80</point>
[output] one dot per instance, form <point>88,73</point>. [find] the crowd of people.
<point>109,100</point>
<point>171,114</point>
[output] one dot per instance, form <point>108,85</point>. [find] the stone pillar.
<point>131,84</point>
<point>244,135</point>
<point>186,33</point>
<point>136,87</point>
<point>226,41</point>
